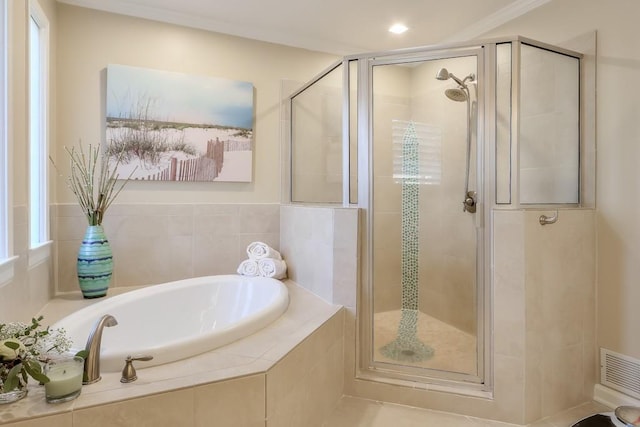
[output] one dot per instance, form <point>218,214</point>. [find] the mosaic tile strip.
<point>407,347</point>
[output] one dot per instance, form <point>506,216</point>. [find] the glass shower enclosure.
<point>426,142</point>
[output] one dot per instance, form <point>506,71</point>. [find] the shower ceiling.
<point>334,26</point>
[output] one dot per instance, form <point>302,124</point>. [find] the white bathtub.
<point>176,320</point>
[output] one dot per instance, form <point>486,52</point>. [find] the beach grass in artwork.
<point>179,127</point>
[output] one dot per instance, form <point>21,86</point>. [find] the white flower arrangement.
<point>23,347</point>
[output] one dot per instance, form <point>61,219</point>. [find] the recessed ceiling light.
<point>398,28</point>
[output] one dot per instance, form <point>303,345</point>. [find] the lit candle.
<point>65,379</point>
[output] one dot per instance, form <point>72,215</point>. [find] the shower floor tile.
<point>454,350</point>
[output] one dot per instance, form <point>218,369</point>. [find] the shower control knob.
<point>470,202</point>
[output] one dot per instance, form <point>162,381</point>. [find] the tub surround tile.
<point>180,225</point>
<point>211,254</point>
<point>238,402</point>
<point>67,278</point>
<point>216,209</point>
<point>217,225</point>
<point>166,409</point>
<point>33,407</point>
<point>172,376</point>
<point>320,246</point>
<point>307,383</point>
<point>163,242</point>
<point>255,219</point>
<point>62,420</point>
<point>310,326</point>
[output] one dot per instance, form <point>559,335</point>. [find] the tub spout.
<point>92,361</point>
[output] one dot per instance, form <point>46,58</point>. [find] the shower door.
<point>426,235</point>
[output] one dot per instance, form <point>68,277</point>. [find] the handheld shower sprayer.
<point>444,74</point>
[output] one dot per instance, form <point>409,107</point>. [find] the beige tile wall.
<point>238,402</point>
<point>62,420</point>
<point>320,245</point>
<point>543,310</point>
<point>560,312</point>
<point>157,243</point>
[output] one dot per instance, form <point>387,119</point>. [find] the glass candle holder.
<point>65,379</point>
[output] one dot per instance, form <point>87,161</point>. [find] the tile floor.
<point>454,350</point>
<point>356,412</point>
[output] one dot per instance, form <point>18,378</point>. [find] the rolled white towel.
<point>274,268</point>
<point>259,250</point>
<point>248,267</point>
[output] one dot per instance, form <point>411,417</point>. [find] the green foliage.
<point>31,344</point>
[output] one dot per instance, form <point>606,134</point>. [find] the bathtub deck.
<point>251,355</point>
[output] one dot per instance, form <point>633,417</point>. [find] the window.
<point>4,226</point>
<point>6,260</point>
<point>38,134</point>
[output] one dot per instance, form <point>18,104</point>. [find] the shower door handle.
<point>469,204</point>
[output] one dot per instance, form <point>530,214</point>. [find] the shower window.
<point>316,141</point>
<point>549,137</point>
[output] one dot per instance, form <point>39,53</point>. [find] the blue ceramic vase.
<point>95,263</point>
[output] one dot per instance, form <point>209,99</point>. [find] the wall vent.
<point>620,372</point>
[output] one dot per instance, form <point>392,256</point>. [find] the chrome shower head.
<point>444,74</point>
<point>456,94</point>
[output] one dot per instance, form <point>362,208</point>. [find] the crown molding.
<point>496,19</point>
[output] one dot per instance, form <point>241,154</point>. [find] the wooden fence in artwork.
<point>235,145</point>
<point>204,168</point>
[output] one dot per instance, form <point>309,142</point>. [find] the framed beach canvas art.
<point>167,126</point>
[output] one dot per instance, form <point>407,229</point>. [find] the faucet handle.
<point>129,372</point>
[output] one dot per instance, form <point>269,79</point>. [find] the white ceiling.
<point>336,26</point>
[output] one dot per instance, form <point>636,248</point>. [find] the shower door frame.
<point>367,368</point>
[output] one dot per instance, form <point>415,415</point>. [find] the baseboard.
<point>611,398</point>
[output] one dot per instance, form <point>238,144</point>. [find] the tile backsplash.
<point>164,242</point>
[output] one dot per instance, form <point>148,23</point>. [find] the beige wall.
<point>618,132</point>
<point>90,40</point>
